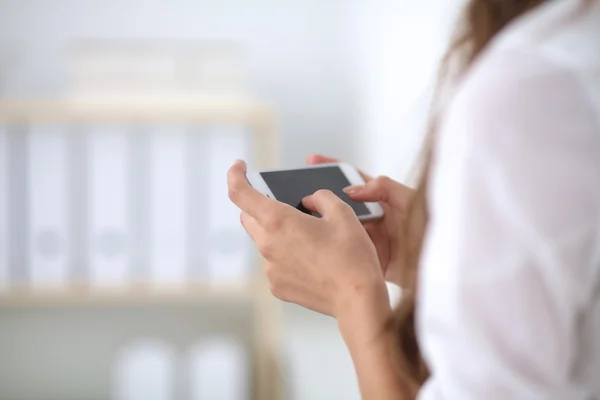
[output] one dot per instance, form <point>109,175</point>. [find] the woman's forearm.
<point>371,342</point>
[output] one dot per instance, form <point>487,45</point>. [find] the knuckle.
<point>380,182</point>
<point>322,193</point>
<point>268,270</point>
<point>266,249</point>
<point>274,222</point>
<point>342,208</point>
<point>233,193</point>
<point>382,187</point>
<point>277,291</point>
<point>276,282</point>
<point>273,289</point>
<point>384,180</point>
<point>272,279</point>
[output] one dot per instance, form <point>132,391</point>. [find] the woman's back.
<point>509,299</point>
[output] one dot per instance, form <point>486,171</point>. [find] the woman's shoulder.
<point>564,32</point>
<point>542,68</point>
<point>529,90</point>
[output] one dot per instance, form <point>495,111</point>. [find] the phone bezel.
<point>351,173</point>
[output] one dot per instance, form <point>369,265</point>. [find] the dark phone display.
<point>291,187</point>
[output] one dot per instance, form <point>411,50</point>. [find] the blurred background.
<point>123,271</point>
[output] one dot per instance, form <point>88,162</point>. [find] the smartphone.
<point>290,186</point>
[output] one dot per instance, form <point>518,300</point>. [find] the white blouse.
<point>509,290</point>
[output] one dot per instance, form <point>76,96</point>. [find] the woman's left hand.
<point>326,264</point>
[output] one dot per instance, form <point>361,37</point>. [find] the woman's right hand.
<point>386,232</point>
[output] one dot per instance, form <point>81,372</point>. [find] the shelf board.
<point>134,294</point>
<point>207,109</point>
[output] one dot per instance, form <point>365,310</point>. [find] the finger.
<point>366,177</point>
<point>378,189</point>
<point>252,227</point>
<point>380,245</point>
<point>308,204</point>
<point>325,203</point>
<point>315,159</point>
<point>245,196</point>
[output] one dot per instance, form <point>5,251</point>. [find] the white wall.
<point>402,42</point>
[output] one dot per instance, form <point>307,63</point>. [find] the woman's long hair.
<point>481,21</point>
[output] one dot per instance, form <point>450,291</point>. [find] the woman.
<point>505,291</point>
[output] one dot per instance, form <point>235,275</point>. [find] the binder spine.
<point>4,220</point>
<point>49,241</point>
<point>168,181</point>
<point>108,219</point>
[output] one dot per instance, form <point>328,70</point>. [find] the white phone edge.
<point>351,173</point>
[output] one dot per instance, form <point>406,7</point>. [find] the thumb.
<point>325,203</point>
<point>316,159</point>
<point>379,189</point>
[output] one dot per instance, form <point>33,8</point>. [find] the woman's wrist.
<point>365,314</point>
<point>367,329</point>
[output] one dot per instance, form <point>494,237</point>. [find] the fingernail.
<point>353,189</point>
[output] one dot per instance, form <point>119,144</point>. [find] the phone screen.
<point>292,186</point>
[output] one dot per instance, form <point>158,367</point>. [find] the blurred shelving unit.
<point>82,295</point>
<point>266,374</point>
<point>146,83</point>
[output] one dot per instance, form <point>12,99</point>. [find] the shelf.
<point>135,294</point>
<point>207,109</point>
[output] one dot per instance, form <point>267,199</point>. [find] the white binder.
<point>4,193</point>
<point>108,241</point>
<point>145,370</point>
<point>168,185</point>
<point>48,188</point>
<point>197,243</point>
<point>218,370</point>
<point>230,252</point>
